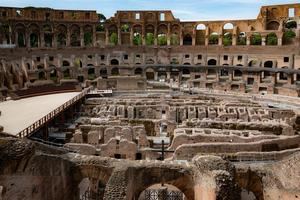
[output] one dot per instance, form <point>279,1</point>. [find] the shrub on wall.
<point>113,39</point>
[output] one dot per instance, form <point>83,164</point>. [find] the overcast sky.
<point>182,9</point>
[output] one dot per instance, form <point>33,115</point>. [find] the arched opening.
<point>271,39</point>
<point>66,63</point>
<point>103,73</point>
<point>253,63</point>
<point>235,87</point>
<point>115,71</point>
<point>227,39</point>
<point>158,191</point>
<point>61,36</point>
<point>48,35</point>
<point>162,35</point>
<point>34,40</point>
<point>42,75</point>
<point>53,75</point>
<point>213,39</point>
<point>211,72</point>
<point>21,40</point>
<point>88,35</point>
<point>150,74</point>
<point>282,75</point>
<point>175,35</point>
<point>138,71</point>
<point>224,72</point>
<point>242,40</point>
<point>212,62</point>
<point>187,39</point>
<point>137,35</point>
<point>67,74</point>
<point>200,34</point>
<point>186,71</point>
<point>149,35</point>
<point>255,39</point>
<point>75,36</point>
<point>114,62</point>
<point>273,25</point>
<point>238,73</point>
<point>91,74</point>
<point>150,61</point>
<point>267,64</point>
<point>20,30</point>
<point>113,35</point>
<point>228,26</point>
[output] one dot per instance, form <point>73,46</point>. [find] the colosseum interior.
<point>143,106</point>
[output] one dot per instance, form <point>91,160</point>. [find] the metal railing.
<point>39,123</point>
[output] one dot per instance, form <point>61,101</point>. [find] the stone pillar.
<point>94,36</point>
<point>68,42</point>
<point>220,43</point>
<point>143,35</point>
<point>263,40</point>
<point>248,40</point>
<point>27,36</point>
<point>81,37</point>
<point>169,35</point>
<point>194,38</point>
<point>119,36</point>
<point>234,40</point>
<point>106,37</point>
<point>206,36</point>
<point>42,40</point>
<point>155,35</point>
<point>54,40</point>
<point>290,79</point>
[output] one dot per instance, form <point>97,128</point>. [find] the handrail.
<point>37,124</point>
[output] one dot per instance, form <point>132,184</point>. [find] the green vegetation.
<point>213,39</point>
<point>288,36</point>
<point>100,28</point>
<point>174,39</point>
<point>33,40</point>
<point>137,39</point>
<point>227,39</point>
<point>241,41</point>
<point>149,39</point>
<point>256,39</point>
<point>88,38</point>
<point>291,24</point>
<point>113,39</point>
<point>272,39</point>
<point>162,40</point>
<point>125,28</point>
<point>101,17</point>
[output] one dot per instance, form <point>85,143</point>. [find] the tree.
<point>291,24</point>
<point>227,39</point>
<point>137,39</point>
<point>256,39</point>
<point>288,36</point>
<point>101,17</point>
<point>149,39</point>
<point>213,39</point>
<point>162,39</point>
<point>125,28</point>
<point>272,39</point>
<point>174,39</point>
<point>88,38</point>
<point>113,39</point>
<point>100,28</point>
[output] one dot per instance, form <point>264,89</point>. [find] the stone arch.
<point>186,71</point>
<point>162,34</point>
<point>65,63</point>
<point>67,73</point>
<point>238,73</point>
<point>273,25</point>
<point>267,64</point>
<point>282,75</point>
<point>53,74</point>
<point>149,176</point>
<point>187,39</point>
<point>212,62</point>
<point>42,75</point>
<point>150,74</point>
<point>175,30</point>
<point>75,35</point>
<point>88,35</point>
<point>103,72</point>
<point>254,63</point>
<point>115,71</point>
<point>114,62</point>
<point>213,38</point>
<point>137,34</point>
<point>138,71</point>
<point>34,38</point>
<point>149,35</point>
<point>113,34</point>
<point>256,39</point>
<point>48,35</point>
<point>271,39</point>
<point>20,30</point>
<point>61,35</point>
<point>228,26</point>
<point>200,34</point>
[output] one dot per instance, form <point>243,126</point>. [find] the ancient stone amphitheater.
<point>143,106</point>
